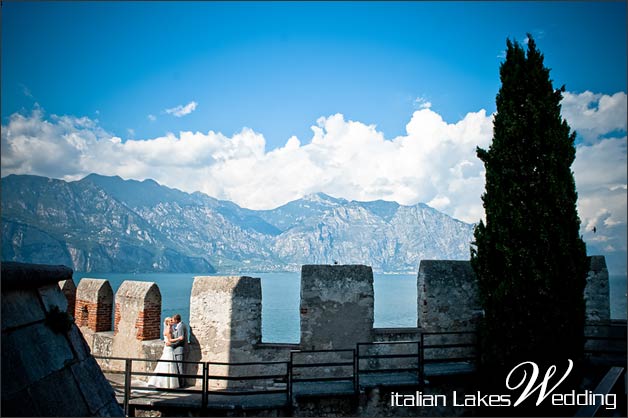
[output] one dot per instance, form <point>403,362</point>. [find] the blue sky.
<point>277,67</point>
<point>263,103</point>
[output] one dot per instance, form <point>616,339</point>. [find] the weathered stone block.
<point>226,316</point>
<point>21,404</point>
<point>13,379</point>
<point>31,276</point>
<point>597,291</point>
<point>102,343</point>
<point>138,310</point>
<point>69,290</point>
<point>58,394</point>
<point>112,410</point>
<point>447,296</point>
<point>79,345</point>
<point>51,297</point>
<point>336,306</point>
<point>31,353</point>
<point>21,307</point>
<point>94,304</point>
<point>95,388</point>
<point>37,361</point>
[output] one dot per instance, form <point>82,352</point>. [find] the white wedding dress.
<point>168,382</point>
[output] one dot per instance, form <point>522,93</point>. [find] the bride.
<point>169,382</point>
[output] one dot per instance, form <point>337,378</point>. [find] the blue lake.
<point>395,299</point>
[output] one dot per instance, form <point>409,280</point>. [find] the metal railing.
<point>374,360</point>
<point>238,388</point>
<point>457,352</point>
<point>205,390</point>
<point>334,367</point>
<point>606,342</point>
<point>128,373</point>
<point>304,368</point>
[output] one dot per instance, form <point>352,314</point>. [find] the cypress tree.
<point>528,256</point>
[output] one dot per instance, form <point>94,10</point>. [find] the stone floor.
<point>190,398</point>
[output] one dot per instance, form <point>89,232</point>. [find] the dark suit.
<point>178,348</point>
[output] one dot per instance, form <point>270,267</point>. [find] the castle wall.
<point>47,369</point>
<point>69,290</point>
<point>226,317</point>
<point>336,306</point>
<point>447,296</point>
<point>94,304</point>
<point>336,313</point>
<point>137,318</point>
<point>596,291</point>
<point>138,310</point>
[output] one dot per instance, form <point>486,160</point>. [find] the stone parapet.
<point>69,290</point>
<point>596,291</point>
<point>336,306</point>
<point>138,310</point>
<point>94,304</point>
<point>447,296</point>
<point>137,320</point>
<point>226,316</point>
<point>336,312</point>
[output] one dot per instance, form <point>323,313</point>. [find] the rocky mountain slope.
<point>106,224</point>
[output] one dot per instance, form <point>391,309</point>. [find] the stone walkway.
<point>187,398</point>
<point>144,396</point>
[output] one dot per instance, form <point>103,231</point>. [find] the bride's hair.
<point>166,321</point>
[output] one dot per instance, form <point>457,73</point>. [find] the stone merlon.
<point>337,306</point>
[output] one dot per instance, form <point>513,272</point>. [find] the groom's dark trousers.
<point>179,351</point>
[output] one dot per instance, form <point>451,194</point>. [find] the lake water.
<point>395,299</point>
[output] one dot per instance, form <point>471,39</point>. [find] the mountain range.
<point>107,224</point>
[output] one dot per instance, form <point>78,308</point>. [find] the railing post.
<point>289,382</point>
<point>204,386</point>
<point>478,349</point>
<point>355,373</point>
<point>357,366</point>
<point>128,365</point>
<point>290,376</point>
<point>421,352</point>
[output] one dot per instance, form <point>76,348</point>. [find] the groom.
<point>180,340</point>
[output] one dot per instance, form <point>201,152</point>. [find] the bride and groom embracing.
<point>171,361</point>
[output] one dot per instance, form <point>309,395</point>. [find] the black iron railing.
<point>128,373</point>
<point>606,342</point>
<point>370,356</point>
<point>447,348</point>
<point>331,366</point>
<point>305,368</point>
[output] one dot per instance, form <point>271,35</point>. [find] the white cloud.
<point>600,166</point>
<point>600,174</point>
<point>181,110</point>
<point>151,118</point>
<point>422,103</point>
<point>594,115</point>
<point>55,148</point>
<point>433,162</point>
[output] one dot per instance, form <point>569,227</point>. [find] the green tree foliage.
<point>529,258</point>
